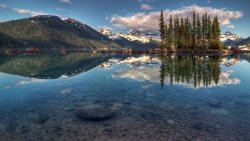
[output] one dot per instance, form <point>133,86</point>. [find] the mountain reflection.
<point>50,66</point>
<point>191,71</point>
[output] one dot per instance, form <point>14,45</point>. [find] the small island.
<point>199,35</point>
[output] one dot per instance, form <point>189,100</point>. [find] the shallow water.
<point>151,97</point>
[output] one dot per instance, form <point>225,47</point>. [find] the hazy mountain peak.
<point>105,31</point>
<point>229,36</point>
<point>132,35</point>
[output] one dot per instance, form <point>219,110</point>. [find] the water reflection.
<point>191,71</point>
<point>48,107</point>
<point>50,66</point>
<point>198,70</point>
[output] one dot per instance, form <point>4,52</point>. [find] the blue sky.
<point>124,15</point>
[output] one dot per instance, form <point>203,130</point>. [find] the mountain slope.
<point>51,32</point>
<point>230,36</point>
<point>230,39</point>
<point>133,39</point>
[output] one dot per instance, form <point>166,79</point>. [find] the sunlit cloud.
<point>149,21</point>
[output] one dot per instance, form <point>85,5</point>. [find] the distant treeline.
<point>180,33</point>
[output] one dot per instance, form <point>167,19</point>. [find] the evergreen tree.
<point>203,31</point>
<point>216,34</point>
<point>189,34</point>
<point>210,33</point>
<point>170,30</point>
<point>196,34</point>
<point>182,34</point>
<point>166,40</point>
<point>194,30</point>
<point>216,29</point>
<point>186,29</point>
<point>162,28</point>
<point>176,33</point>
<point>199,32</point>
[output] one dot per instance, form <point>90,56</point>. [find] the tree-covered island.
<point>184,34</point>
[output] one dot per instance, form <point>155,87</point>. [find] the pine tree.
<point>186,29</point>
<point>188,34</point>
<point>194,30</point>
<point>216,34</point>
<point>216,29</point>
<point>176,33</point>
<point>199,32</point>
<point>170,30</point>
<point>206,30</point>
<point>210,32</point>
<point>181,34</point>
<point>166,40</point>
<point>184,34</point>
<point>162,26</point>
<point>203,31</point>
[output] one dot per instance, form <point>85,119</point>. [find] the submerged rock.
<point>41,118</point>
<point>94,112</point>
<point>214,103</point>
<point>170,121</point>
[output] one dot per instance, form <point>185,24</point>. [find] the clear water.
<point>155,97</point>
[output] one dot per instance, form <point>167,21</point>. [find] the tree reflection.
<point>197,70</point>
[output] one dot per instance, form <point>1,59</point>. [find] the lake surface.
<point>114,97</point>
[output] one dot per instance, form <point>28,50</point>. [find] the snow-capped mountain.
<point>131,36</point>
<point>228,36</point>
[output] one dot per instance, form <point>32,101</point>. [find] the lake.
<point>121,97</point>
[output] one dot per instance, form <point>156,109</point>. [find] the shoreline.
<point>126,51</point>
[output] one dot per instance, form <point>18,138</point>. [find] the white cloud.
<point>24,11</point>
<point>28,12</point>
<point>146,7</point>
<point>149,21</point>
<point>2,5</point>
<point>65,1</point>
<point>230,26</point>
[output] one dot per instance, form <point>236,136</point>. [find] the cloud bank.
<point>149,21</point>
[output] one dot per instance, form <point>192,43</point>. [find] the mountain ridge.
<point>51,32</point>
